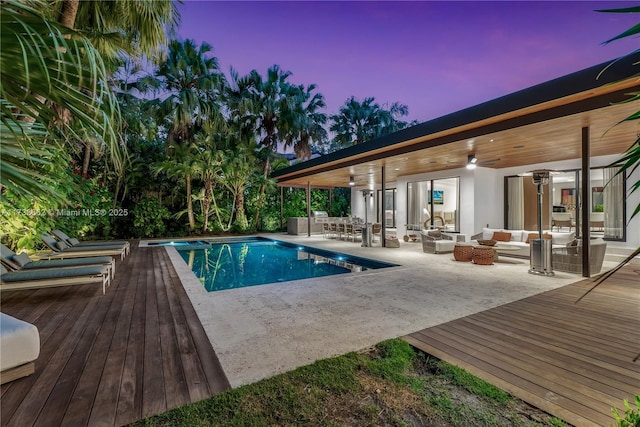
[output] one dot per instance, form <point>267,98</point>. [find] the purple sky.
<point>435,57</point>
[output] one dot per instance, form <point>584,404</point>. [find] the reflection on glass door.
<point>433,204</point>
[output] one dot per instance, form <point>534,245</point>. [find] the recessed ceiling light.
<point>491,140</point>
<point>396,169</point>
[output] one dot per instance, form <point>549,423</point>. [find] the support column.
<point>585,204</point>
<point>382,203</point>
<point>308,208</point>
<point>330,200</point>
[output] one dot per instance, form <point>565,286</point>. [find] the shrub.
<point>631,416</point>
<point>149,218</point>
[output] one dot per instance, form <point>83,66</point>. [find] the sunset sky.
<point>435,57</point>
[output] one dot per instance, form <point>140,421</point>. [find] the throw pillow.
<point>532,236</point>
<point>436,234</point>
<point>547,236</point>
<point>501,236</point>
<point>22,259</point>
<point>572,247</point>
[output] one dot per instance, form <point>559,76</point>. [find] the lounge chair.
<point>14,261</point>
<point>45,278</point>
<point>75,243</point>
<point>62,250</point>
<point>19,348</point>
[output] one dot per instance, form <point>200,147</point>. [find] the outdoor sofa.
<point>19,348</point>
<point>520,239</point>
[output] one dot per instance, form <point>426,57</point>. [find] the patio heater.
<point>540,250</point>
<point>366,229</point>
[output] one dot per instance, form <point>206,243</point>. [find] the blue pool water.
<point>235,263</point>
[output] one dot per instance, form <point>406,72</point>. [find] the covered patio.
<point>566,124</point>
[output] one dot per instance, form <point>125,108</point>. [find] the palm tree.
<point>182,164</point>
<point>209,160</point>
<point>266,106</point>
<point>308,122</point>
<point>630,159</point>
<point>239,170</point>
<point>358,122</point>
<point>117,29</point>
<point>194,85</point>
<point>41,60</point>
<point>193,82</point>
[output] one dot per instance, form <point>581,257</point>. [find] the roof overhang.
<point>540,124</point>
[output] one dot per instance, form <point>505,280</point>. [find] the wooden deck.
<point>112,359</point>
<point>575,361</point>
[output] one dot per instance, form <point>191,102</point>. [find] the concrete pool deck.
<point>261,331</point>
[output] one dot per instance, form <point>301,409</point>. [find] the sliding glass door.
<point>387,207</point>
<point>434,204</point>
<point>562,202</point>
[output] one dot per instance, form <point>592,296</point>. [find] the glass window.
<point>563,200</point>
<point>433,209</point>
<point>387,209</point>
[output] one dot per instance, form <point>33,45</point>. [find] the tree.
<point>630,159</point>
<point>193,82</point>
<point>41,60</point>
<point>308,122</point>
<point>117,29</point>
<point>266,106</point>
<point>194,85</point>
<point>359,122</point>
<point>182,164</point>
<point>208,165</point>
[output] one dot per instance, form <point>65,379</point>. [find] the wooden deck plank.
<point>176,391</point>
<point>527,371</point>
<point>54,410</point>
<point>192,364</point>
<point>572,360</point>
<point>153,398</point>
<point>575,332</point>
<point>51,320</point>
<point>579,349</point>
<point>68,336</point>
<point>543,357</point>
<point>106,359</point>
<point>108,389</point>
<point>129,402</point>
<point>215,376</point>
<point>108,348</point>
<point>51,335</point>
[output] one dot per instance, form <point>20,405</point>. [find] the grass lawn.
<point>389,385</point>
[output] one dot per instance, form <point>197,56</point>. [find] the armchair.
<point>437,242</point>
<point>569,259</point>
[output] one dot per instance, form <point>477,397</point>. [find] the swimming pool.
<point>234,263</point>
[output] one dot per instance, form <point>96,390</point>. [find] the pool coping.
<point>261,331</point>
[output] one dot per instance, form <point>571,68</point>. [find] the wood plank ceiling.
<point>550,140</point>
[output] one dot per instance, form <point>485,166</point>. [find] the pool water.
<point>257,261</point>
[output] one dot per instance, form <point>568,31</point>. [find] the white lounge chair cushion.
<point>19,342</point>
